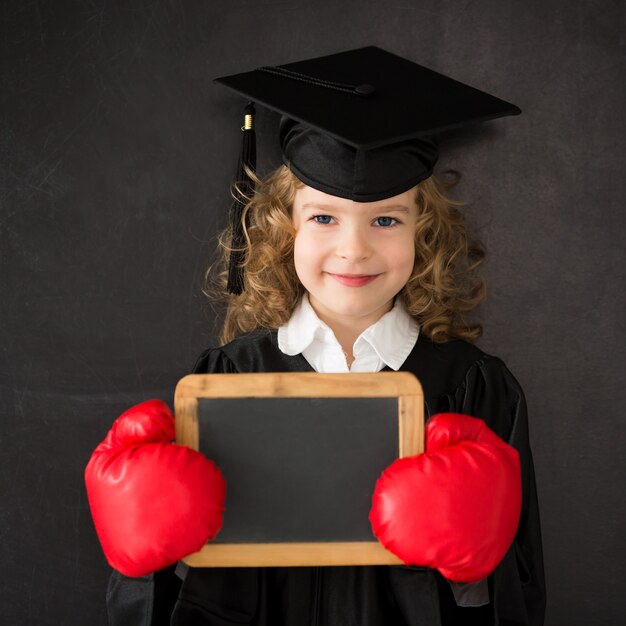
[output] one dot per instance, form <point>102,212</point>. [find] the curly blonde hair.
<point>442,289</point>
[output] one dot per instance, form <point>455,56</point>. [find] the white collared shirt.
<point>387,342</point>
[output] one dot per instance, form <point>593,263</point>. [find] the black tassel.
<point>245,189</point>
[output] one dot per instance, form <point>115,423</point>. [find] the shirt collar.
<point>392,337</point>
<point>302,329</point>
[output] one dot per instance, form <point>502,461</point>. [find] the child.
<point>350,257</point>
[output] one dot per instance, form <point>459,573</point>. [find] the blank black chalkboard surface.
<point>301,453</point>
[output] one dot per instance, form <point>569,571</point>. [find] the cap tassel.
<point>244,189</point>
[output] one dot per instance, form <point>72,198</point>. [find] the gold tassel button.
<point>248,122</point>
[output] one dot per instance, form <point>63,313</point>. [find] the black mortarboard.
<point>361,124</point>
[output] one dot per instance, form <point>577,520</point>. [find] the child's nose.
<point>354,245</point>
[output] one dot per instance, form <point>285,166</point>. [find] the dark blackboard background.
<point>116,153</point>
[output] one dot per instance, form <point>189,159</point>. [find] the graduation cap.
<point>359,124</point>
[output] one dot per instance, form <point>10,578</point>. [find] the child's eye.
<point>386,222</point>
<point>322,219</point>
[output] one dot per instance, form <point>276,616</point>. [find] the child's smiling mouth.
<point>353,280</point>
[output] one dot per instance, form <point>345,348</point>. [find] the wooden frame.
<point>401,385</point>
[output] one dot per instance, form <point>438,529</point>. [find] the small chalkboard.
<point>301,453</point>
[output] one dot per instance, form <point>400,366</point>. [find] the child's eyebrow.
<point>329,207</point>
<point>395,207</point>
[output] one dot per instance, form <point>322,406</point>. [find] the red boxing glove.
<point>455,507</point>
<point>152,501</point>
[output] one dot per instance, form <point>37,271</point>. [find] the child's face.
<point>353,257</point>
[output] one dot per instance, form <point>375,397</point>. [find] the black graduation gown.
<point>455,376</point>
